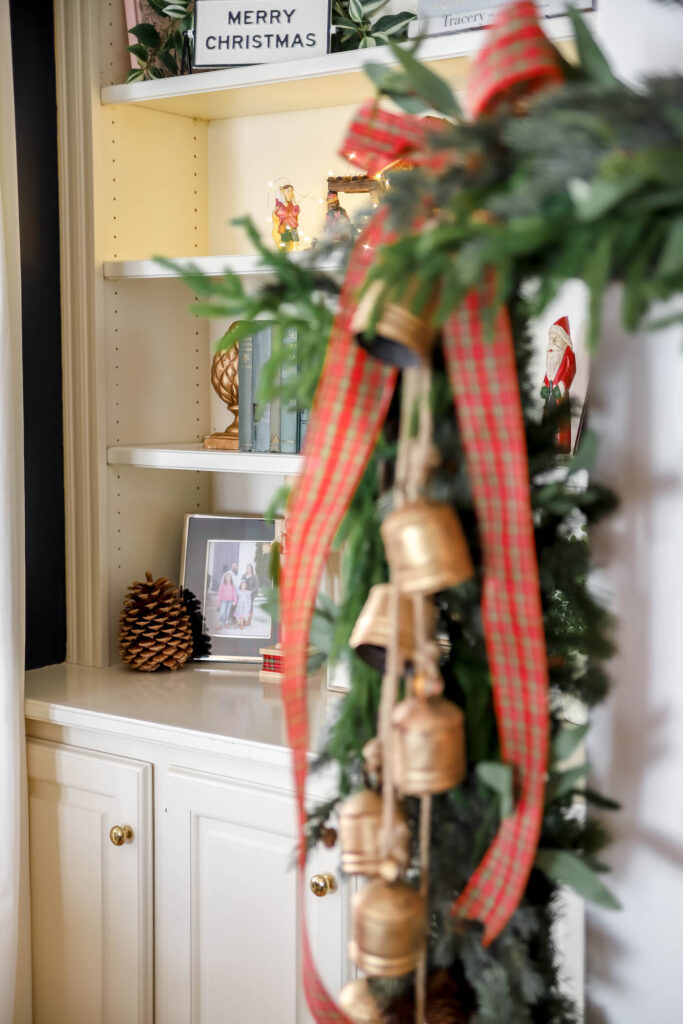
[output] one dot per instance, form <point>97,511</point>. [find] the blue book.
<point>289,418</point>
<point>261,346</point>
<point>246,401</point>
<point>303,424</point>
<point>275,421</point>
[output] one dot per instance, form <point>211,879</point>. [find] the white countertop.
<point>203,707</point>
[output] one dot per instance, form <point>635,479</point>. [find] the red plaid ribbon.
<point>483,378</point>
<point>515,56</point>
<point>351,404</point>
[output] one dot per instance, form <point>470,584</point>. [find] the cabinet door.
<point>227,936</point>
<point>91,901</point>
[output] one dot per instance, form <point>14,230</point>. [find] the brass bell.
<point>373,630</point>
<point>402,338</point>
<point>389,925</point>
<point>356,1001</point>
<point>360,820</point>
<point>427,745</point>
<point>426,547</point>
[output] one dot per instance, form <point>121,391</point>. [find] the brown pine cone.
<point>154,629</point>
<point>447,1003</point>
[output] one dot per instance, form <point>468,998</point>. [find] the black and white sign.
<point>230,32</point>
<point>440,17</point>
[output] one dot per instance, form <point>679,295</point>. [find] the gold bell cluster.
<point>427,553</point>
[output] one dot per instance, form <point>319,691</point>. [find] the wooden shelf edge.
<point>195,457</point>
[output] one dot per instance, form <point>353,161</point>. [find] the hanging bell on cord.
<point>427,745</point>
<point>374,628</point>
<point>356,1001</point>
<point>360,821</point>
<point>401,338</point>
<point>388,929</point>
<point>426,548</point>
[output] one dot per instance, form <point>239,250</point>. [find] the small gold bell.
<point>388,929</point>
<point>356,1001</point>
<point>426,548</point>
<point>401,338</point>
<point>360,817</point>
<point>427,745</point>
<point>360,820</point>
<point>373,630</point>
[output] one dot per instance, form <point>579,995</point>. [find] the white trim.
<point>77,46</point>
<point>195,95</point>
<point>248,265</point>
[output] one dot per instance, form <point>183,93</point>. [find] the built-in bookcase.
<point>162,168</point>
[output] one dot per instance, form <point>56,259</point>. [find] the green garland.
<point>586,185</point>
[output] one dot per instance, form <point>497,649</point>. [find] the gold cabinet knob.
<point>120,834</point>
<point>322,884</point>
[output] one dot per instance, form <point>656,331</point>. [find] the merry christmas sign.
<point>230,32</point>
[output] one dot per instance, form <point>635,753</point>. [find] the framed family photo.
<point>226,566</point>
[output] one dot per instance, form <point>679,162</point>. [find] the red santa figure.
<point>560,369</point>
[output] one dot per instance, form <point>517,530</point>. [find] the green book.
<point>246,401</point>
<point>261,346</point>
<point>289,418</point>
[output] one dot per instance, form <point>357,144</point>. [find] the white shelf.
<point>336,78</point>
<point>213,266</point>
<point>204,705</point>
<point>195,457</point>
<point>331,80</point>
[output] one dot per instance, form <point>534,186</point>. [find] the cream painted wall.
<point>635,958</point>
<point>250,152</point>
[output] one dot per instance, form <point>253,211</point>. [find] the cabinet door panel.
<point>91,901</point>
<point>227,920</point>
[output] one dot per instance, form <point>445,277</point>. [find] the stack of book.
<point>275,426</point>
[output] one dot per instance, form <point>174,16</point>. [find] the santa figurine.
<point>560,369</point>
<point>286,220</point>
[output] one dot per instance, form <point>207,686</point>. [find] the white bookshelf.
<point>196,457</point>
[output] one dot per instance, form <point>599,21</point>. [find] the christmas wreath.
<point>559,171</point>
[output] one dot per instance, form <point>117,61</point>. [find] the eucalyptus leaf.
<point>431,87</point>
<point>671,260</point>
<point>560,784</point>
<point>566,741</point>
<point>566,867</point>
<point>592,59</point>
<point>498,777</point>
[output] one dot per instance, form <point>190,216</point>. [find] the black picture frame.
<point>212,547</point>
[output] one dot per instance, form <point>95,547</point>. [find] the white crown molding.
<point>77,50</point>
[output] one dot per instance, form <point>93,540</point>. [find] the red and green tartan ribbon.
<point>350,406</point>
<point>516,58</point>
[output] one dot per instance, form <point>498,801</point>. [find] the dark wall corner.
<point>35,104</point>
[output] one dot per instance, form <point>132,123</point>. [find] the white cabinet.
<point>92,901</point>
<point>228,935</point>
<point>207,884</point>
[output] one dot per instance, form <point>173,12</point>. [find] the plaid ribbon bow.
<point>350,407</point>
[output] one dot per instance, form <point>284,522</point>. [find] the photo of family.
<point>233,589</point>
<point>226,567</point>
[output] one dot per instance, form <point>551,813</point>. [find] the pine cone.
<point>154,629</point>
<point>447,1003</point>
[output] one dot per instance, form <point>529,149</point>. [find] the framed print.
<point>226,566</point>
